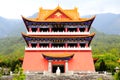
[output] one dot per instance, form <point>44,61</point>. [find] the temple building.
<point>58,38</point>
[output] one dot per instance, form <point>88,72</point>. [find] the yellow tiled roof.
<point>72,15</point>
<point>44,13</point>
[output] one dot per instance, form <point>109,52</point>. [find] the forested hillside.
<point>12,45</point>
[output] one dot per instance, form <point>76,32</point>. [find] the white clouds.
<point>15,8</point>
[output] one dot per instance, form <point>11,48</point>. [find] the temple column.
<point>86,45</point>
<point>50,29</point>
<point>29,45</point>
<point>86,29</point>
<point>38,29</point>
<point>78,30</point>
<point>66,45</point>
<point>78,45</point>
<point>30,29</point>
<point>38,46</point>
<point>66,29</point>
<point>66,65</point>
<point>50,66</point>
<point>50,45</point>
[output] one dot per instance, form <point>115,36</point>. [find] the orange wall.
<point>81,61</point>
<point>34,61</point>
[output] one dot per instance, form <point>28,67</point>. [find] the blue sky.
<point>15,8</point>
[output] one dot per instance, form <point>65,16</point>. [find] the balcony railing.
<point>56,33</point>
<point>57,48</point>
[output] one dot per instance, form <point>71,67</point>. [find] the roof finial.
<point>58,3</point>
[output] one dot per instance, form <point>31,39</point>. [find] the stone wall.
<point>63,77</point>
<point>69,77</point>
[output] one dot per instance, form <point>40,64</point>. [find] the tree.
<point>102,66</point>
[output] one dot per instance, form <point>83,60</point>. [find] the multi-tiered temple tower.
<point>58,38</point>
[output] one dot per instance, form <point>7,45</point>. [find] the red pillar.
<point>78,45</point>
<point>86,29</point>
<point>30,29</point>
<point>50,29</point>
<point>78,30</point>
<point>66,45</point>
<point>38,46</point>
<point>50,45</point>
<point>86,45</point>
<point>29,45</point>
<point>38,29</point>
<point>66,29</point>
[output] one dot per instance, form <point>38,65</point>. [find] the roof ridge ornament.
<point>58,3</point>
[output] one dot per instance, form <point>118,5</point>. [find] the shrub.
<point>20,75</point>
<point>117,76</point>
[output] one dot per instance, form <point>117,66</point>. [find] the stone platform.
<point>81,76</point>
<point>69,77</point>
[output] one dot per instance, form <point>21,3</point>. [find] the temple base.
<point>81,61</point>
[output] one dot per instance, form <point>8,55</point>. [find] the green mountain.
<point>107,23</point>
<point>12,45</point>
<point>11,27</point>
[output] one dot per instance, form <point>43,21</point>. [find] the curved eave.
<point>92,19</point>
<point>58,36</point>
<point>58,56</point>
<point>24,20</point>
<point>91,40</point>
<point>24,38</point>
<point>60,20</point>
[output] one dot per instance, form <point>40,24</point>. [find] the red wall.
<point>81,61</point>
<point>34,61</point>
